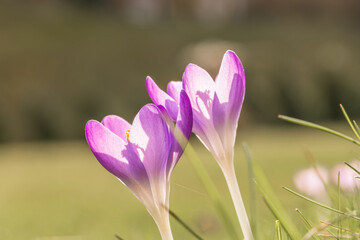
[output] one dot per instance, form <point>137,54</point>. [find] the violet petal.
<point>117,125</point>
<point>159,97</point>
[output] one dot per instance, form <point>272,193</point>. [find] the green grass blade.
<point>318,127</point>
<point>252,191</point>
<point>303,218</point>
<point>308,225</point>
<point>356,127</point>
<point>320,204</point>
<point>340,228</point>
<point>263,185</point>
<point>357,171</point>
<point>339,201</point>
<point>211,190</point>
<point>324,225</point>
<point>182,223</point>
<point>349,121</point>
<point>278,230</point>
<point>279,214</point>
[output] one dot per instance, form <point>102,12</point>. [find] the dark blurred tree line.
<point>173,8</point>
<point>64,62</point>
<point>209,10</point>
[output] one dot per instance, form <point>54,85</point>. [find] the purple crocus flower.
<point>216,109</point>
<point>216,104</point>
<point>143,155</point>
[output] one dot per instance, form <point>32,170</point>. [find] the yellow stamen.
<point>127,135</point>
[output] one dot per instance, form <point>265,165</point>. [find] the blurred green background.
<point>65,62</point>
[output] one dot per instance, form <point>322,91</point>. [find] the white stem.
<point>163,223</point>
<point>233,186</point>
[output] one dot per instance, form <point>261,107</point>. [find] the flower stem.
<point>163,224</point>
<point>233,186</point>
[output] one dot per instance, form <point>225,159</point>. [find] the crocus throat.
<point>127,135</point>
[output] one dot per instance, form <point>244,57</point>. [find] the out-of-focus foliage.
<point>62,63</point>
<point>59,190</point>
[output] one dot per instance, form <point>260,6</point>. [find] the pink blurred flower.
<point>348,180</point>
<point>311,182</point>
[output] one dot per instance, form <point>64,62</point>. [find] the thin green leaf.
<point>211,190</point>
<point>334,226</point>
<point>320,204</point>
<point>357,171</point>
<point>308,226</point>
<point>278,230</point>
<point>339,201</point>
<point>349,121</point>
<point>356,127</point>
<point>265,188</point>
<point>182,223</point>
<point>341,228</point>
<point>252,192</point>
<point>332,236</point>
<point>324,225</point>
<point>279,214</point>
<point>318,127</point>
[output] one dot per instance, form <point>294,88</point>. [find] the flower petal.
<point>117,125</point>
<point>149,135</point>
<point>159,97</point>
<point>230,86</point>
<point>228,99</point>
<point>184,121</point>
<point>173,89</point>
<point>114,154</point>
<point>200,87</point>
<point>182,131</point>
<point>166,116</point>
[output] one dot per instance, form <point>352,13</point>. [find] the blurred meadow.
<point>57,190</point>
<point>65,62</point>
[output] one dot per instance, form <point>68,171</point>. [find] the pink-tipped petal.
<point>159,97</point>
<point>173,89</point>
<point>117,125</point>
<point>230,86</point>
<point>113,154</point>
<point>228,99</point>
<point>149,135</point>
